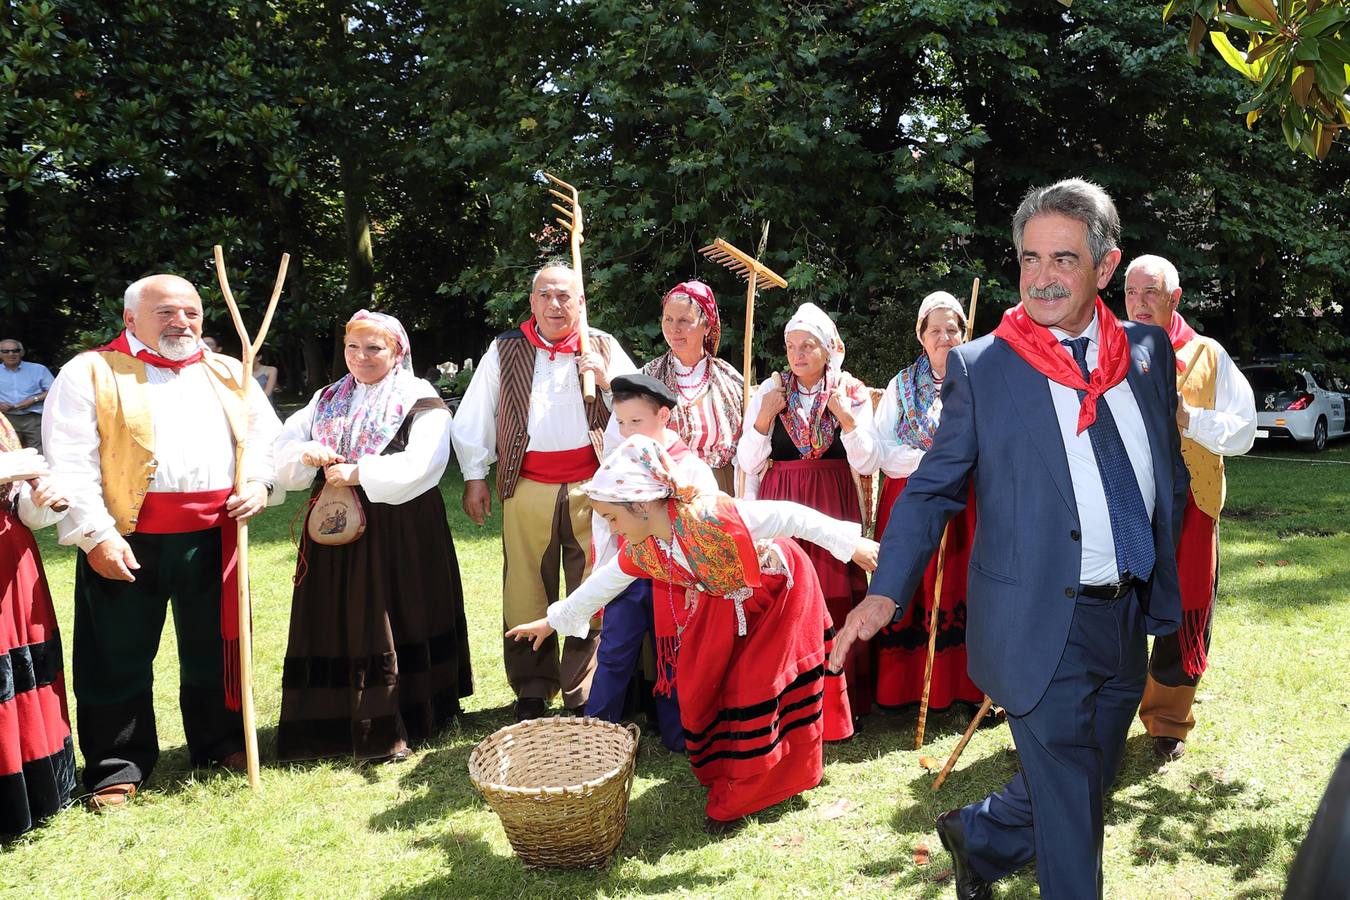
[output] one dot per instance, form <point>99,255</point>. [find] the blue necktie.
<point>1131,530</point>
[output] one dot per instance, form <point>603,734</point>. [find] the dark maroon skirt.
<point>826,485</point>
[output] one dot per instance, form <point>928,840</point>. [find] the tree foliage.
<point>1297,54</point>
<point>395,150</point>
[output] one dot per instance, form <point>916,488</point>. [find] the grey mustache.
<point>1053,292</point>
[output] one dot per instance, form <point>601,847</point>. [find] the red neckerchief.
<point>570,343</point>
<point>122,345</point>
<point>1180,333</point>
<point>1043,352</point>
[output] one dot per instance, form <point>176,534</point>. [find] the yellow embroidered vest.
<point>126,447</point>
<point>1196,382</point>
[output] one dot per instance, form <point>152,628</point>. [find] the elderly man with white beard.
<point>141,435</point>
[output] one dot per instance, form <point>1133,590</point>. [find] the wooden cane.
<point>758,277</point>
<point>571,220</point>
<point>248,350</point>
<point>961,745</point>
<point>941,565</point>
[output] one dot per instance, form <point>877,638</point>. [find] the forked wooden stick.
<point>248,350</point>
<point>961,745</point>
<point>941,565</point>
<point>757,277</point>
<point>571,220</point>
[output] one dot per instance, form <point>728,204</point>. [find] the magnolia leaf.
<point>1331,78</point>
<point>1196,35</point>
<point>1258,51</point>
<point>836,808</point>
<point>1303,85</point>
<point>929,763</point>
<point>1260,9</point>
<point>921,855</point>
<point>1247,24</point>
<point>1325,138</point>
<point>1327,20</point>
<point>1307,50</point>
<point>1230,54</point>
<point>1252,117</point>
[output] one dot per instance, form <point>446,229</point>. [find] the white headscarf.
<point>938,300</point>
<point>816,322</point>
<point>358,429</point>
<point>637,471</point>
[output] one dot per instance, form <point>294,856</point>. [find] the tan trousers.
<point>546,527</point>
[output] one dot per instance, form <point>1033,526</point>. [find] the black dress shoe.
<point>530,708</point>
<point>969,885</point>
<point>1168,748</point>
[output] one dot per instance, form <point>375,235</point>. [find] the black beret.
<point>645,385</point>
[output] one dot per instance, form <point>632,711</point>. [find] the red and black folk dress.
<point>811,466</point>
<point>903,647</point>
<point>749,653</point>
<point>37,755</point>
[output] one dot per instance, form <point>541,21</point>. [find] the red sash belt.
<point>180,513</point>
<point>559,466</point>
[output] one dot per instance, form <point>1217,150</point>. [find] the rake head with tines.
<point>571,213</point>
<point>570,218</point>
<point>743,264</point>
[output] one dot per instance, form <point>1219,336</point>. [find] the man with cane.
<point>142,433</point>
<point>1063,421</point>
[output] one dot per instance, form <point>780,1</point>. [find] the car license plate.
<point>1263,432</point>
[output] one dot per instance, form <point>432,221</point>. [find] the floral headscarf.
<point>637,471</point>
<point>369,427</point>
<point>702,296</point>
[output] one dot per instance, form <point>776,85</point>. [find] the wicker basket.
<point>560,787</point>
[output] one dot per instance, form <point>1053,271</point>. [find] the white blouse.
<point>765,519</point>
<point>754,449</point>
<point>391,478</point>
<point>896,459</point>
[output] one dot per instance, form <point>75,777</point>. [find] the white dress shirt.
<point>1230,427</point>
<point>194,449</point>
<point>1094,519</point>
<point>765,519</point>
<point>391,478</point>
<point>557,419</point>
<point>754,449</point>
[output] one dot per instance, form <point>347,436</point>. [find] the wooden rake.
<point>249,348</point>
<point>571,219</point>
<point>757,277</point>
<point>941,564</point>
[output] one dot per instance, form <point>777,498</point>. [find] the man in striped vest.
<point>1216,414</point>
<point>525,411</point>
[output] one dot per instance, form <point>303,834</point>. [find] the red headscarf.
<point>1044,353</point>
<point>1179,332</point>
<point>702,295</point>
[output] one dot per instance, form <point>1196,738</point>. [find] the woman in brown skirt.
<point>808,431</point>
<point>378,656</point>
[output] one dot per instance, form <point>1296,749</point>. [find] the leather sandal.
<point>111,796</point>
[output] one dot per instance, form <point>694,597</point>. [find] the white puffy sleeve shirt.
<point>765,519</point>
<point>1230,427</point>
<point>194,448</point>
<point>391,478</point>
<point>896,459</point>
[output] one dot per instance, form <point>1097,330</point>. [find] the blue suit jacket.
<point>999,428</point>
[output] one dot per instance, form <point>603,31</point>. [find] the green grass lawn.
<point>1273,711</point>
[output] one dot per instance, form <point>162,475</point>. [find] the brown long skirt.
<point>378,656</point>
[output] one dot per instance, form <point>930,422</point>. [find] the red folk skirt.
<point>903,647</point>
<point>826,485</point>
<point>37,756</point>
<point>753,706</point>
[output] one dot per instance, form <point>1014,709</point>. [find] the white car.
<point>1308,405</point>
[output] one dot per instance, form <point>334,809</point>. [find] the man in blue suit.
<point>1064,422</point>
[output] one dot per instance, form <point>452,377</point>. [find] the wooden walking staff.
<point>572,221</point>
<point>941,564</point>
<point>961,745</point>
<point>757,277</point>
<point>248,350</point>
